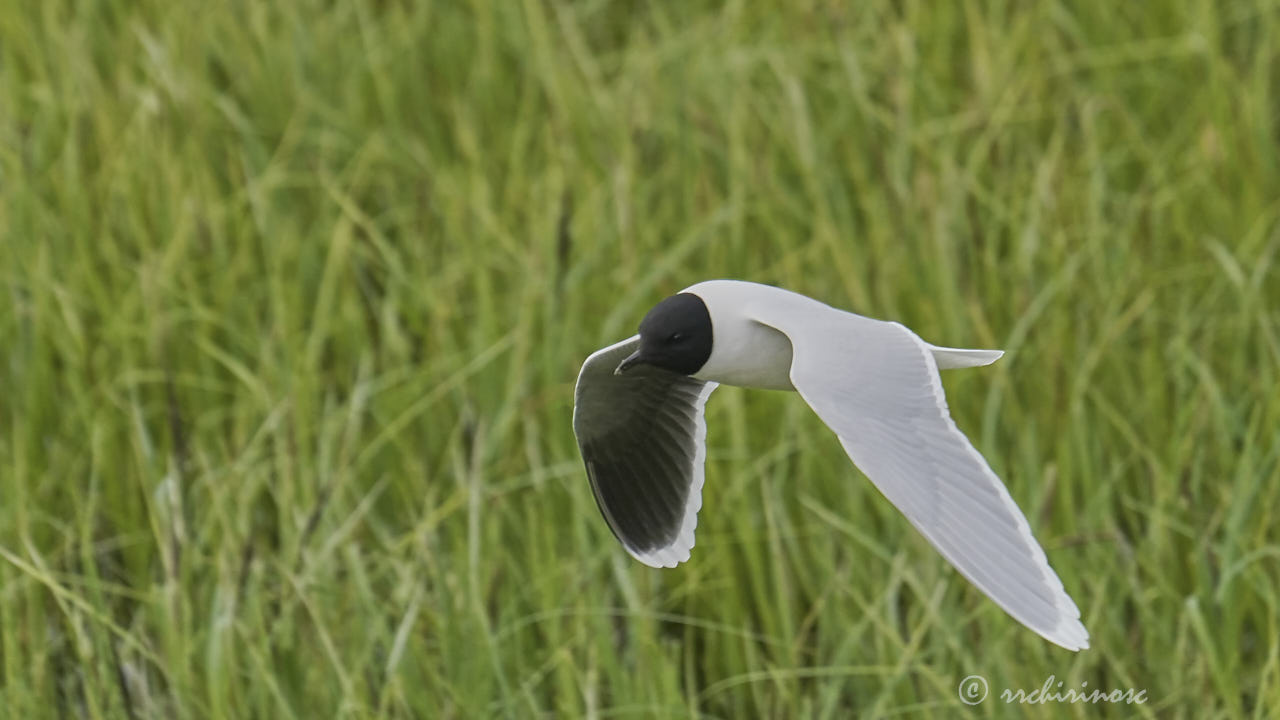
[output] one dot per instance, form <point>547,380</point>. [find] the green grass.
<point>294,296</point>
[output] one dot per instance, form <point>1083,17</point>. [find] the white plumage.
<point>638,416</point>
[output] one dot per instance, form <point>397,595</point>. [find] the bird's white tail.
<point>950,358</point>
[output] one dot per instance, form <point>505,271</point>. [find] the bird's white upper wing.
<point>643,439</point>
<point>876,385</point>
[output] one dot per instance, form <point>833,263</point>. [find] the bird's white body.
<point>874,383</point>
<point>749,353</point>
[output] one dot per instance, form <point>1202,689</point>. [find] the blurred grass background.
<point>294,296</point>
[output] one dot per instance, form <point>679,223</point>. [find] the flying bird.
<point>638,417</point>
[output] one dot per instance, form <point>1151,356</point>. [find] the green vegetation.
<point>294,296</point>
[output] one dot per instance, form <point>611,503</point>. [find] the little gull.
<point>638,416</point>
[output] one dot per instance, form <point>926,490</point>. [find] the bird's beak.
<point>632,360</point>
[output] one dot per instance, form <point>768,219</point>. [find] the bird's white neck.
<point>745,352</point>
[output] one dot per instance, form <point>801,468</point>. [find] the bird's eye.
<point>675,337</point>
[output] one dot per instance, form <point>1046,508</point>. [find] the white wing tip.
<point>679,550</point>
<point>1069,634</point>
<point>667,557</point>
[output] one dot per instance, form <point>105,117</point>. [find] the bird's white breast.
<point>745,352</point>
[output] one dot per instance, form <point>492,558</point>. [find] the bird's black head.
<point>675,335</point>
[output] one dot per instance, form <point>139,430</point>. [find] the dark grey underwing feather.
<point>641,437</point>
